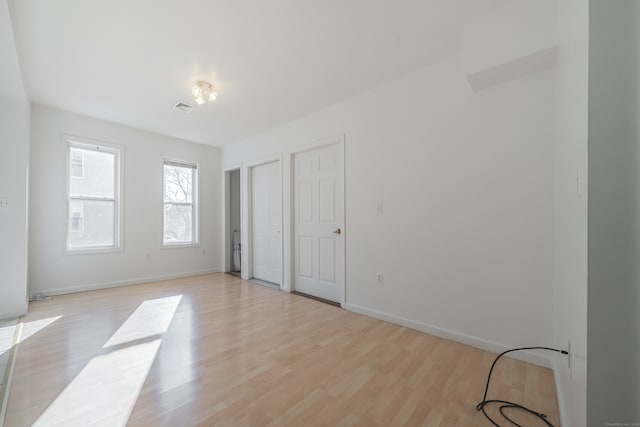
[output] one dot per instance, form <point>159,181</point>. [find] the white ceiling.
<point>271,60</point>
<point>11,86</point>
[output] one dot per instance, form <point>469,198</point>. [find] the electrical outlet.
<point>380,278</point>
<point>380,209</point>
<point>4,203</point>
<point>204,251</point>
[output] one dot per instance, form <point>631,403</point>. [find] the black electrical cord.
<point>510,405</point>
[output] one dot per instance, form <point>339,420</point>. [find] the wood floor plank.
<point>217,350</point>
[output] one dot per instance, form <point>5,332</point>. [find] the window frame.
<point>195,202</point>
<point>118,152</point>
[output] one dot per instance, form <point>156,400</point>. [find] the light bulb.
<point>203,92</point>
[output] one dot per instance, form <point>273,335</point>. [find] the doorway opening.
<point>233,245</point>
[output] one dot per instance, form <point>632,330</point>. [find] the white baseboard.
<point>13,314</point>
<point>128,282</point>
<point>527,356</point>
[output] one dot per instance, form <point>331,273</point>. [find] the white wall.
<point>515,29</point>
<point>53,271</point>
<point>465,242</point>
<point>570,209</point>
<point>14,169</point>
<point>15,115</point>
<point>613,394</point>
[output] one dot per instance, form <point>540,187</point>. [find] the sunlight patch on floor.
<point>151,318</point>
<point>33,327</point>
<point>6,337</point>
<point>107,388</point>
<point>105,391</point>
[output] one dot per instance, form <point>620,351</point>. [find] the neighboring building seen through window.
<point>93,197</point>
<point>77,169</point>
<point>76,220</point>
<point>180,199</point>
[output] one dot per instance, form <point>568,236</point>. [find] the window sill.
<point>92,251</point>
<point>179,245</point>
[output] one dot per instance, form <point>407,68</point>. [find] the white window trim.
<point>118,151</point>
<point>196,204</point>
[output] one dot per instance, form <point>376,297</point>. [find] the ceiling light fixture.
<point>203,92</point>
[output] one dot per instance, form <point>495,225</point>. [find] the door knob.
<point>337,231</point>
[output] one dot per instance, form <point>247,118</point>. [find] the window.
<point>93,205</point>
<point>179,203</point>
<point>76,221</point>
<point>77,161</point>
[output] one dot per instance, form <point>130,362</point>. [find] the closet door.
<point>266,202</point>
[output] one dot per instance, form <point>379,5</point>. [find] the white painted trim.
<point>339,140</point>
<point>128,282</point>
<point>320,143</point>
<point>233,168</point>
<point>562,405</point>
<point>170,246</point>
<point>91,251</point>
<point>13,314</point>
<point>263,160</point>
<point>527,356</point>
<point>246,211</point>
<point>166,157</point>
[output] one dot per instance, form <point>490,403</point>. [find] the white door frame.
<point>246,210</point>
<point>227,252</point>
<point>338,140</point>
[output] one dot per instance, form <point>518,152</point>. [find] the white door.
<point>318,222</point>
<point>266,216</point>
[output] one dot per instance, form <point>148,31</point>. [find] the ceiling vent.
<point>181,106</point>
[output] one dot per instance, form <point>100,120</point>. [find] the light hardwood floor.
<point>216,350</point>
